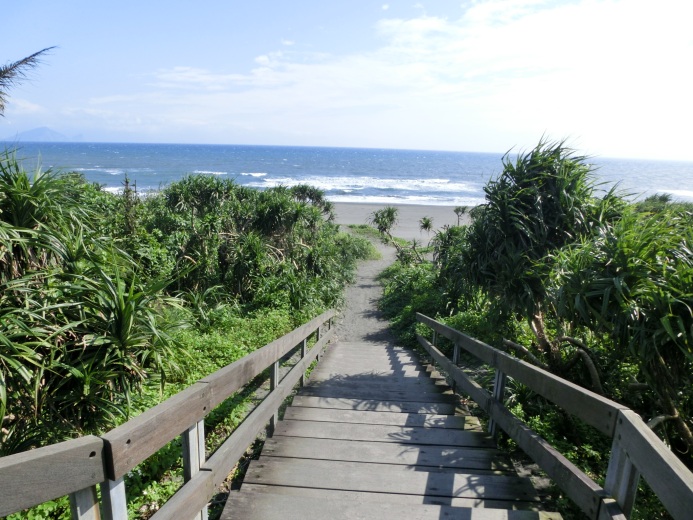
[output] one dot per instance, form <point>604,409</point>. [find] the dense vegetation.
<point>109,303</point>
<point>584,283</point>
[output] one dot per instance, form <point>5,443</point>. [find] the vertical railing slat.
<point>114,505</point>
<point>274,381</point>
<point>194,455</point>
<point>622,478</point>
<point>499,395</point>
<point>84,504</point>
<point>304,350</point>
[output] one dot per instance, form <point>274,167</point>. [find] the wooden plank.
<point>385,396</point>
<point>420,385</point>
<point>410,455</point>
<point>231,378</point>
<point>394,406</point>
<point>350,366</point>
<point>366,345</point>
<point>467,422</point>
<point>84,504</point>
<point>377,357</point>
<point>113,499</point>
<point>384,433</point>
<point>282,507</point>
<point>195,494</point>
<point>411,500</point>
<point>189,500</point>
<point>622,478</point>
<point>322,373</point>
<point>592,408</point>
<point>668,477</point>
<point>578,486</point>
<point>224,459</point>
<point>139,438</point>
<point>360,369</point>
<point>386,478</point>
<point>36,476</point>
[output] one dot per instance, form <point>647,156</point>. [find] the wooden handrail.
<point>36,476</point>
<point>636,450</point>
<point>75,467</point>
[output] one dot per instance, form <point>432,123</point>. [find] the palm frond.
<point>13,73</point>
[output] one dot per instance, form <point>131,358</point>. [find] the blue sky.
<point>613,77</point>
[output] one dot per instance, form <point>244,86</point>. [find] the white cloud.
<point>288,43</point>
<point>18,106</point>
<point>614,74</point>
<point>385,7</point>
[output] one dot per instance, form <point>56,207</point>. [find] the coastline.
<point>408,217</point>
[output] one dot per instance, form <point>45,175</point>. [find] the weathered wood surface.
<point>592,408</point>
<point>637,451</point>
<point>466,422</point>
<point>664,472</point>
<point>578,486</point>
<point>411,500</point>
<point>441,457</point>
<point>43,474</point>
<point>375,405</point>
<point>137,439</point>
<point>286,507</point>
<point>382,435</point>
<point>199,490</point>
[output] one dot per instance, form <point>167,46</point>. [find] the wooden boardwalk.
<point>375,434</point>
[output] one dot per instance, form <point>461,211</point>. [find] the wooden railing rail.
<point>75,467</point>
<point>636,450</point>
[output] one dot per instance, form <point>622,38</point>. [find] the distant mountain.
<point>43,134</point>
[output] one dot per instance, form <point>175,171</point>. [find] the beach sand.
<point>408,217</point>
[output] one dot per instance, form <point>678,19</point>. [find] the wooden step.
<point>272,506</point>
<point>392,405</point>
<point>386,478</point>
<point>322,373</point>
<point>376,394</point>
<point>410,455</point>
<point>384,433</point>
<point>467,422</point>
<point>414,384</point>
<point>402,498</point>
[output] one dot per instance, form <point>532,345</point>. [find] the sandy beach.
<point>408,217</point>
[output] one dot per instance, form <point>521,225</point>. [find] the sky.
<point>614,78</point>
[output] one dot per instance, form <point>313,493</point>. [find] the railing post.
<point>498,394</point>
<point>317,338</point>
<point>194,455</point>
<point>455,361</point>
<point>304,349</point>
<point>84,504</point>
<point>622,477</point>
<point>114,505</point>
<point>274,381</point>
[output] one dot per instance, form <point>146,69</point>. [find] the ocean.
<point>345,174</point>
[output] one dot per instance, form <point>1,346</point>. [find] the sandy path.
<point>360,319</point>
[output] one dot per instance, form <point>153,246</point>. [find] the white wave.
<point>113,171</point>
<point>372,183</point>
<point>419,201</point>
<point>208,172</point>
<point>253,174</point>
<point>116,191</point>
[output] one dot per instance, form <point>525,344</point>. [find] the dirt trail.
<point>360,319</point>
